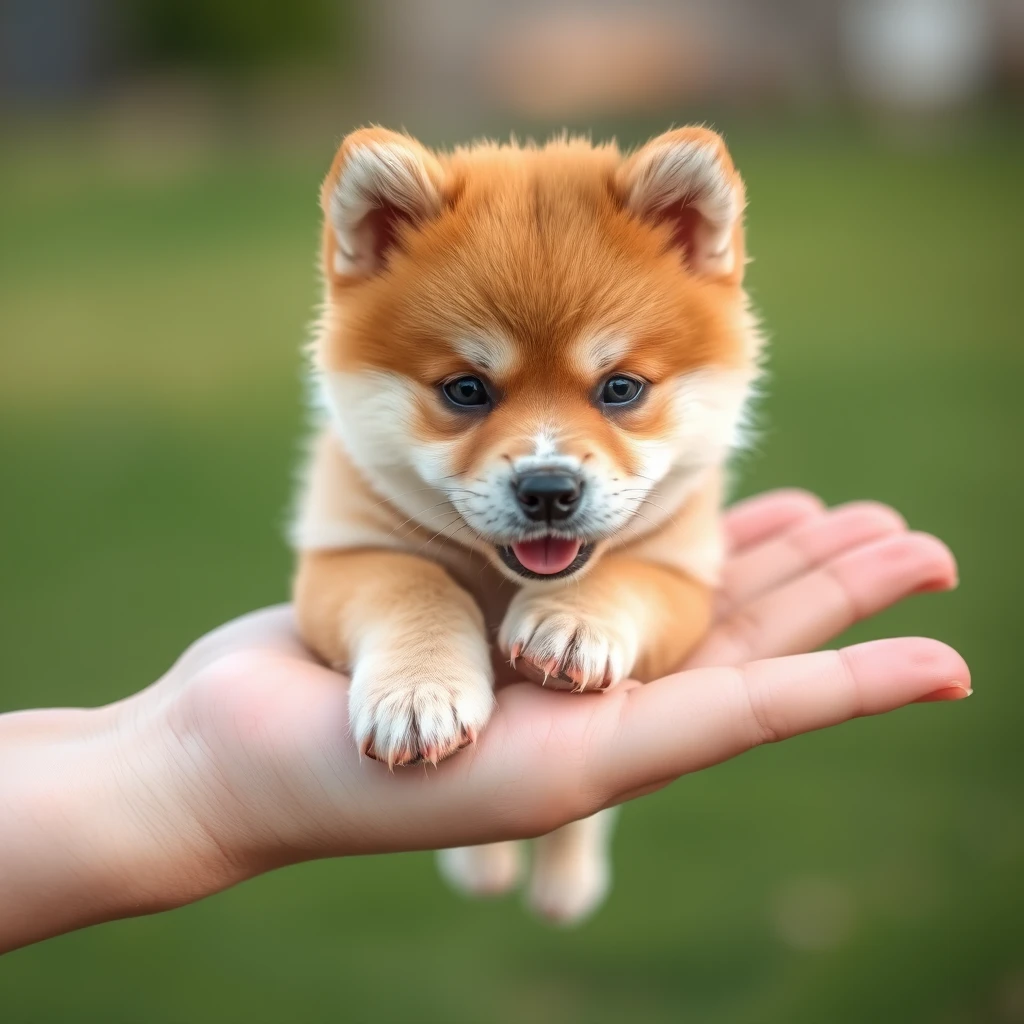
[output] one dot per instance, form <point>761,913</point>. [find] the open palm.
<point>272,774</point>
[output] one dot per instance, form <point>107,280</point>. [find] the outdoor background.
<point>159,168</point>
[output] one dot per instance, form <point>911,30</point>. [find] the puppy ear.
<point>685,180</point>
<point>379,182</point>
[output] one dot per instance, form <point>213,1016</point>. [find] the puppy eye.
<point>467,392</point>
<point>621,390</point>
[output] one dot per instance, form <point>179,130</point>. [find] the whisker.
<point>416,490</point>
<point>671,515</point>
<point>440,535</point>
<point>646,501</point>
<point>454,502</point>
<point>644,518</point>
<point>405,522</point>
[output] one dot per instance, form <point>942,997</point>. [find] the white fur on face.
<point>494,355</point>
<point>373,413</point>
<point>711,408</point>
<point>545,443</point>
<point>709,415</point>
<point>599,355</point>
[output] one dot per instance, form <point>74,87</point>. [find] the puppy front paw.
<point>406,709</point>
<point>549,640</point>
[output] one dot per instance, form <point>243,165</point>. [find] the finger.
<point>804,546</point>
<point>269,629</point>
<point>753,520</point>
<point>696,719</point>
<point>812,609</point>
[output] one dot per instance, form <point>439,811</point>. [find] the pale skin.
<point>236,761</point>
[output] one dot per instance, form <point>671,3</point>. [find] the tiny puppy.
<point>532,363</point>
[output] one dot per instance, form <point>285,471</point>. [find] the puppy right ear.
<point>379,182</point>
<point>685,181</point>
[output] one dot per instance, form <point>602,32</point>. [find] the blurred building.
<point>453,60</point>
<point>541,58</point>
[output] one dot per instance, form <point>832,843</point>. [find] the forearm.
<point>89,827</point>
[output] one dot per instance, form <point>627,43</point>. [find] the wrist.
<point>95,823</point>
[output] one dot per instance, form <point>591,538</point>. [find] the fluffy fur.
<point>542,272</point>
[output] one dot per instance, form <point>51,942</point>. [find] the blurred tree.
<point>59,50</point>
<point>237,35</point>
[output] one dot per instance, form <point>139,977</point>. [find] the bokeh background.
<point>159,167</point>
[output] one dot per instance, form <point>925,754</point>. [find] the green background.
<point>151,318</point>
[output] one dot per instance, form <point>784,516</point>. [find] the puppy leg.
<point>488,870</point>
<point>626,617</point>
<point>414,643</point>
<point>572,869</point>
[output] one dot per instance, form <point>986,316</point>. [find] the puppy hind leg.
<point>572,869</point>
<point>489,870</point>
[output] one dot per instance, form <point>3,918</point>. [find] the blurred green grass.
<point>150,405</point>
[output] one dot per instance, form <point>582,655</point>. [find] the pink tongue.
<point>547,555</point>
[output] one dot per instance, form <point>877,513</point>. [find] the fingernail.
<point>952,691</point>
<point>938,586</point>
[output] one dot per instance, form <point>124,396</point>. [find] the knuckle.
<point>757,709</point>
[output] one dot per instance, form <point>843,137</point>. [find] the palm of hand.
<point>276,772</point>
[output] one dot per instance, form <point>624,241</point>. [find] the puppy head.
<point>535,351</point>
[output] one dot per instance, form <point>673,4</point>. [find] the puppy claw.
<point>410,758</point>
<point>566,650</point>
<point>402,721</point>
<point>432,755</point>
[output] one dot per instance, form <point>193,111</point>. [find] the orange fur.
<point>541,271</point>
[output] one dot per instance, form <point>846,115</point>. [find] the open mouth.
<point>546,558</point>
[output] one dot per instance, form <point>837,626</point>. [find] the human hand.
<point>235,761</point>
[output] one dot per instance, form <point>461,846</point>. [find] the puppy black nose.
<point>547,497</point>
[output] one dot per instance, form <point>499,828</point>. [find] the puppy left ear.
<point>686,181</point>
<point>380,182</point>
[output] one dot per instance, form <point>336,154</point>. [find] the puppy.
<point>532,364</point>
